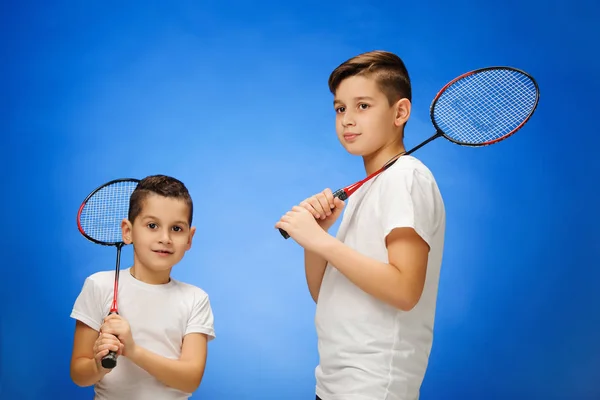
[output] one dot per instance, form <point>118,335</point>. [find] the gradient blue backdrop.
<point>232,98</point>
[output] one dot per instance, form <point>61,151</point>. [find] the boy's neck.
<point>375,161</point>
<point>150,277</point>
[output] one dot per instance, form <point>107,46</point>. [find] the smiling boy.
<point>163,325</point>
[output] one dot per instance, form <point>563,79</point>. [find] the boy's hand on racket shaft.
<point>105,343</point>
<point>118,326</point>
<point>324,207</point>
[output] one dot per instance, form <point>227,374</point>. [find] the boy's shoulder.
<point>102,278</point>
<point>410,165</point>
<point>189,288</point>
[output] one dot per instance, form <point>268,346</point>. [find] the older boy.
<point>163,325</point>
<point>375,284</point>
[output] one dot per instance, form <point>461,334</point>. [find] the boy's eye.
<point>177,229</point>
<point>340,109</point>
<point>363,106</point>
<point>152,225</point>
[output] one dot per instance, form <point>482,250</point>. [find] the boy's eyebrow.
<point>359,98</point>
<point>179,222</point>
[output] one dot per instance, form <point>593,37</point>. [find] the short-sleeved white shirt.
<point>159,316</point>
<point>369,350</point>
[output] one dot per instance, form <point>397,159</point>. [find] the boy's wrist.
<point>100,370</point>
<point>323,244</point>
<point>134,354</point>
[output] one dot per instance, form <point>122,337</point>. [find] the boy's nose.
<point>165,237</point>
<point>347,120</point>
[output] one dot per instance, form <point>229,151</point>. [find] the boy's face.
<point>365,121</point>
<point>160,233</point>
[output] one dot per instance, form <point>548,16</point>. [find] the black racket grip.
<point>284,234</point>
<point>109,361</point>
<point>340,194</point>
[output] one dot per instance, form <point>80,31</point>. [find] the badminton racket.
<point>99,220</point>
<point>479,108</point>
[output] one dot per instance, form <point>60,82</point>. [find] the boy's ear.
<point>190,237</point>
<point>126,228</point>
<point>403,108</point>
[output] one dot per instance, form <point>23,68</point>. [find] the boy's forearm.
<point>182,375</point>
<point>84,372</point>
<point>314,266</point>
<point>381,280</point>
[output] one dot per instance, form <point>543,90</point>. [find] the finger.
<point>310,208</point>
<point>283,225</point>
<point>316,204</point>
<point>110,341</point>
<point>109,347</point>
<point>329,196</point>
<point>338,202</point>
<point>110,330</point>
<point>100,354</point>
<point>324,204</point>
<point>339,205</point>
<point>112,317</point>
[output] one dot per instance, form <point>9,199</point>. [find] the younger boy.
<point>163,325</point>
<point>375,284</point>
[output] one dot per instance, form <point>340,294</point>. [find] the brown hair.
<point>161,185</point>
<point>388,69</point>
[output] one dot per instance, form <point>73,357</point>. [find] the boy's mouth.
<point>163,251</point>
<point>350,135</point>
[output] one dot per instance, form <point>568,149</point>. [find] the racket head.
<point>102,211</point>
<point>485,106</point>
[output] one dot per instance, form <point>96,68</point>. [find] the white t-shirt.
<point>159,317</point>
<point>369,350</point>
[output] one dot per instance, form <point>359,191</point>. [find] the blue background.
<point>232,97</point>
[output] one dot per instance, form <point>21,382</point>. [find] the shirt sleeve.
<point>201,318</point>
<point>87,307</point>
<point>409,199</point>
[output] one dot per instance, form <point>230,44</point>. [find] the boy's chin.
<point>356,150</point>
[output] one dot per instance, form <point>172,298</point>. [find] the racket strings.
<point>102,214</point>
<point>486,106</point>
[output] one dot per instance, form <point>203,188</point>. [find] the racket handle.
<point>284,234</point>
<point>109,361</point>
<point>341,194</point>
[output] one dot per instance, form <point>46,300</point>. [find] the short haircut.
<point>161,185</point>
<point>386,68</point>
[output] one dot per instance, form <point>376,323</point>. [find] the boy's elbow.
<point>78,380</point>
<point>195,381</point>
<point>407,301</point>
<point>404,305</point>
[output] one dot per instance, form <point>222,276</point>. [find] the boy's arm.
<point>399,282</point>
<point>326,209</point>
<point>314,267</point>
<point>88,346</point>
<point>85,370</point>
<point>185,373</point>
<point>410,209</point>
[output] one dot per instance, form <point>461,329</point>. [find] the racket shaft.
<point>417,147</point>
<point>109,361</point>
